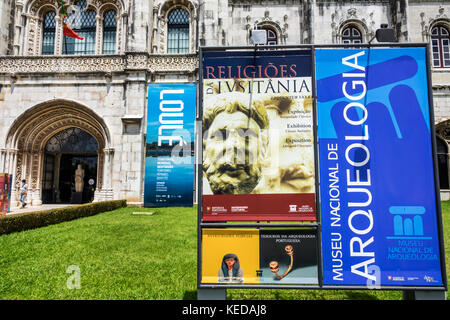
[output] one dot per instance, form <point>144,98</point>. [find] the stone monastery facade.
<point>62,101</point>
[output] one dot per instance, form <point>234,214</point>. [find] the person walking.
<point>23,193</point>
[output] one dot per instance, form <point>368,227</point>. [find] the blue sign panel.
<point>378,201</point>
<point>169,160</point>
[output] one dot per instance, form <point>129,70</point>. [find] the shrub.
<point>33,220</point>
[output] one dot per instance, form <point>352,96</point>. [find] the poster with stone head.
<point>258,141</point>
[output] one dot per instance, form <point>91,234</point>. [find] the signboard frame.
<point>313,225</point>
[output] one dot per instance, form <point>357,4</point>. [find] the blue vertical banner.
<point>169,158</point>
<point>378,202</point>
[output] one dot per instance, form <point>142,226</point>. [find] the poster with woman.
<point>259,256</point>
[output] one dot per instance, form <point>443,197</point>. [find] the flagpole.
<point>62,20</point>
<point>67,30</point>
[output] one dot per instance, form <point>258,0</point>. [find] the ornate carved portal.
<point>29,134</point>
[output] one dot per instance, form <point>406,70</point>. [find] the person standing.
<point>23,193</point>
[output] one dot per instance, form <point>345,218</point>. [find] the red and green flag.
<point>67,30</point>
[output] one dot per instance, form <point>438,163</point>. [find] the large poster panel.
<point>288,256</point>
<point>169,161</point>
<point>258,143</point>
<point>378,201</point>
<point>266,256</point>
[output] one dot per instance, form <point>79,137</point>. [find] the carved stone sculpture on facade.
<point>79,179</point>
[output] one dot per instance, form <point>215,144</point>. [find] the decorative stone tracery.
<point>267,21</point>
<point>340,21</point>
<point>443,130</point>
<point>428,23</point>
<point>155,63</point>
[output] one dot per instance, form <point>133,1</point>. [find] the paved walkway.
<point>37,208</point>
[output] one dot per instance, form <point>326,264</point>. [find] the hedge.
<point>38,219</point>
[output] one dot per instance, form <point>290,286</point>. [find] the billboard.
<point>5,193</point>
<point>169,160</point>
<point>350,136</point>
<point>379,215</point>
<point>265,256</point>
<point>258,143</point>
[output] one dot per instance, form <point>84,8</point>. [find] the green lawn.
<point>126,256</point>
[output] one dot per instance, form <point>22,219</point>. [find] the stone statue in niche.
<point>79,178</point>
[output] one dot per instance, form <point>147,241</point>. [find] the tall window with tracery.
<point>440,42</point>
<point>109,32</point>
<point>48,33</point>
<point>86,29</point>
<point>178,31</point>
<point>351,35</point>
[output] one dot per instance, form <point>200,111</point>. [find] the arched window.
<point>351,34</point>
<point>271,35</point>
<point>48,34</point>
<point>440,41</point>
<point>85,29</point>
<point>442,158</point>
<point>109,32</point>
<point>178,31</point>
<point>72,140</point>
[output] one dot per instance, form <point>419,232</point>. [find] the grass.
<point>120,256</point>
<point>126,256</point>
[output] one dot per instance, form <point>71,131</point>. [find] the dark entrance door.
<point>63,153</point>
<point>48,194</point>
<point>69,164</point>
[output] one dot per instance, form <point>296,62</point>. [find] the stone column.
<point>26,173</point>
<point>31,35</point>
<point>154,42</point>
<point>99,182</point>
<point>107,191</point>
<point>38,160</point>
<point>58,36</point>
<point>18,28</point>
<point>99,35</point>
<point>11,168</point>
<point>106,176</point>
<point>3,160</point>
<point>120,36</point>
<point>111,171</point>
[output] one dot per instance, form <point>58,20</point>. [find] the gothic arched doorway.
<point>63,153</point>
<point>40,133</point>
<point>443,168</point>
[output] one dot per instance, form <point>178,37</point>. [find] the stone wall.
<point>331,17</point>
<point>422,15</point>
<point>283,17</point>
<point>113,87</point>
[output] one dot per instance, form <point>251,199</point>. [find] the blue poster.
<point>378,202</point>
<point>169,158</point>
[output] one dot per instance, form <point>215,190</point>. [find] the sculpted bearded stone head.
<point>234,144</point>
